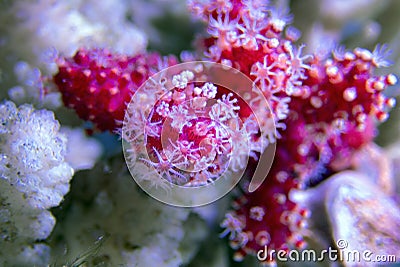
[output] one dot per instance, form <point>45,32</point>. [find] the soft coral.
<point>98,83</point>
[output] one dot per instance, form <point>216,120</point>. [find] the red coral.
<point>311,146</point>
<point>340,101</point>
<point>325,109</point>
<point>250,39</point>
<point>195,132</point>
<point>267,217</point>
<point>98,84</point>
<point>321,134</point>
<point>333,105</point>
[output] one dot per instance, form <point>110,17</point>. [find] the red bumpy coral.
<point>326,109</point>
<point>98,84</point>
<point>195,133</point>
<point>248,35</point>
<point>340,102</point>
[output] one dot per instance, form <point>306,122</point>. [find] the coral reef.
<point>81,80</point>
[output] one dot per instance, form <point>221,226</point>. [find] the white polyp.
<point>316,102</point>
<point>188,75</point>
<point>197,90</point>
<point>350,94</point>
<point>263,238</point>
<point>303,149</point>
<point>293,33</point>
<point>366,55</point>
<point>163,109</point>
<point>87,73</point>
<point>339,124</point>
<point>179,81</point>
<point>391,79</point>
<point>282,176</point>
<point>238,257</point>
<point>391,102</point>
<point>280,198</point>
<point>273,43</point>
<point>226,62</point>
<point>257,213</point>
<point>278,24</point>
<point>232,225</point>
<point>209,90</point>
<point>357,109</point>
<point>349,56</point>
<point>332,71</point>
<point>379,85</point>
<point>361,118</point>
<point>286,216</point>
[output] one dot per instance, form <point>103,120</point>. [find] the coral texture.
<point>34,178</point>
<point>195,133</point>
<point>153,233</point>
<point>248,35</point>
<point>325,108</point>
<point>98,83</point>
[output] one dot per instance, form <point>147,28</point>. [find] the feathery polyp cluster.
<point>247,35</point>
<point>266,218</point>
<point>351,98</point>
<point>193,133</point>
<point>325,109</point>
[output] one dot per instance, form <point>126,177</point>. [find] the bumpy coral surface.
<point>33,177</point>
<point>326,109</point>
<point>195,132</point>
<point>340,103</point>
<point>98,83</point>
<point>248,35</point>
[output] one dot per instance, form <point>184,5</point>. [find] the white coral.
<point>82,151</point>
<point>138,230</point>
<point>33,178</point>
<point>31,89</point>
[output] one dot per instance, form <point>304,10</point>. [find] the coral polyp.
<point>325,109</point>
<point>260,138</point>
<point>194,133</point>
<point>332,116</point>
<point>248,35</point>
<point>97,84</point>
<point>352,99</point>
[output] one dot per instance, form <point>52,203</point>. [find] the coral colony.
<point>322,109</point>
<point>98,84</point>
<point>196,147</point>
